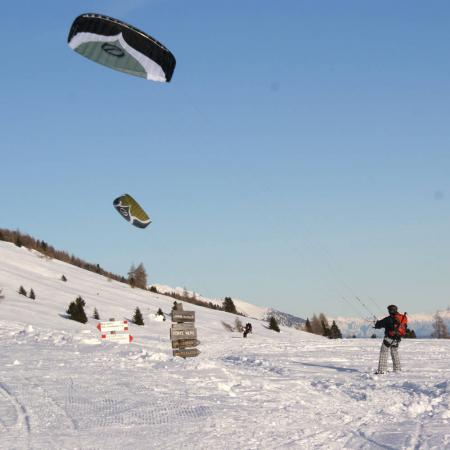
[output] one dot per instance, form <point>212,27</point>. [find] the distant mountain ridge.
<point>421,323</point>
<point>286,319</point>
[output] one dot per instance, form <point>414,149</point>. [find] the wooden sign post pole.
<point>183,333</point>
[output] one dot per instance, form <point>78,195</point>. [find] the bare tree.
<point>227,326</point>
<point>140,277</point>
<point>440,329</point>
<point>137,276</point>
<point>238,325</point>
<point>131,272</point>
<point>316,325</point>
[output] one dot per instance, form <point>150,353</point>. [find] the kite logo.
<point>113,50</point>
<point>125,211</point>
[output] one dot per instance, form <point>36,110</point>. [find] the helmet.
<point>392,309</point>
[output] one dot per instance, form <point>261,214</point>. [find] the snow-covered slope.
<point>61,388</point>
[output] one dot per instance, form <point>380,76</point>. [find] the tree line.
<point>319,325</point>
<point>227,303</point>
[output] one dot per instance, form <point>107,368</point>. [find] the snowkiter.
<point>395,328</point>
<point>248,329</point>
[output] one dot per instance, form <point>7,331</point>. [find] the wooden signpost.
<point>183,333</point>
<point>109,331</point>
<point>186,352</point>
<point>183,316</point>
<point>183,343</point>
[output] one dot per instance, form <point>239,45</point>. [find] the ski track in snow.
<point>61,389</point>
<point>259,394</point>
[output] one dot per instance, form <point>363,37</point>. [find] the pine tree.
<point>325,329</point>
<point>1,294</point>
<point>22,291</point>
<point>273,324</point>
<point>153,289</point>
<point>410,334</point>
<point>32,295</point>
<point>63,278</point>
<point>177,305</point>
<point>335,332</point>
<point>137,318</point>
<point>18,241</point>
<point>373,336</point>
<point>81,315</point>
<point>96,315</point>
<point>440,330</point>
<point>324,324</point>
<point>160,313</point>
<point>308,327</point>
<point>228,305</point>
<point>76,310</point>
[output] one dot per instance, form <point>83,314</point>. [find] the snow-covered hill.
<point>253,311</point>
<point>249,310</point>
<point>61,388</point>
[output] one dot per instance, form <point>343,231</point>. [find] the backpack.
<point>400,325</point>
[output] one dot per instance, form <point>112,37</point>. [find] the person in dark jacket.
<point>248,329</point>
<point>389,343</point>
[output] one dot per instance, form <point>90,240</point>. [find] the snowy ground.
<point>61,389</point>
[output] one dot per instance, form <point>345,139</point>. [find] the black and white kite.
<point>121,47</point>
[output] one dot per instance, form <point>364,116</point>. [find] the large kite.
<point>130,210</point>
<point>121,47</point>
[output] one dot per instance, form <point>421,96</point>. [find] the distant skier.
<point>395,328</point>
<point>247,329</point>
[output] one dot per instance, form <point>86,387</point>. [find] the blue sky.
<point>300,154</point>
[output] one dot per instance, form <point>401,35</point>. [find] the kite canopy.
<point>121,47</point>
<point>130,210</point>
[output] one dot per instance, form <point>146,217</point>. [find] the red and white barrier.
<point>123,338</point>
<point>116,325</point>
<point>109,331</point>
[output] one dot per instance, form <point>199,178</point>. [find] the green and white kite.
<point>130,210</point>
